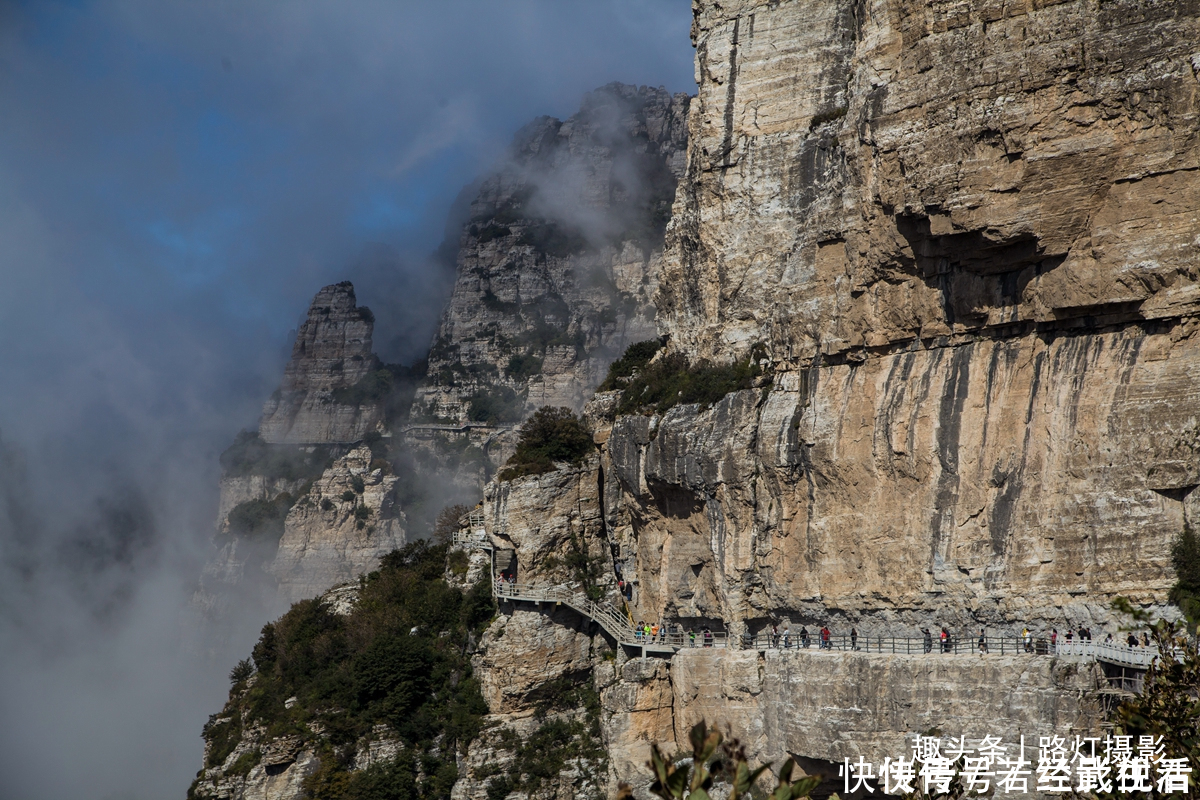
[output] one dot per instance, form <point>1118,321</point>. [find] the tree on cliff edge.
<point>1185,557</point>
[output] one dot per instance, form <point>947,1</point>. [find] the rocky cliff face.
<point>962,239</point>
<point>316,403</point>
<point>866,174</point>
<point>961,243</point>
<point>560,259</point>
<point>348,521</point>
<point>967,240</point>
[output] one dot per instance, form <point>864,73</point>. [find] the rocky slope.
<point>559,260</point>
<point>341,529</point>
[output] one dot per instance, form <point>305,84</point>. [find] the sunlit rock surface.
<point>340,529</point>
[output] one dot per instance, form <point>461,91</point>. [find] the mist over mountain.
<point>176,181</point>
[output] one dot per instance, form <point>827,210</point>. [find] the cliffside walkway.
<point>670,641</point>
<point>612,621</point>
<point>431,428</point>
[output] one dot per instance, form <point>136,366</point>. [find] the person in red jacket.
<point>825,637</point>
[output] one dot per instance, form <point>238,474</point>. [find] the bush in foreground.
<point>675,781</point>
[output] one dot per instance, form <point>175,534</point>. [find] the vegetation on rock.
<point>398,660</point>
<point>392,386</point>
<point>250,455</point>
<point>447,522</point>
<point>1168,705</point>
<point>1185,557</point>
<point>261,519</point>
<point>494,405</point>
<point>696,776</point>
<point>671,380</point>
<point>634,359</point>
<point>564,739</point>
<point>550,435</point>
<point>524,366</point>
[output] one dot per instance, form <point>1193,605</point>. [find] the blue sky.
<point>177,179</point>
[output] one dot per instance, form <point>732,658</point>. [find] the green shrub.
<point>362,512</point>
<point>635,358</point>
<point>222,735</point>
<point>550,435</point>
<point>523,367</point>
<point>357,484</point>
<point>694,776</point>
<point>495,405</point>
<point>545,753</point>
<point>350,673</point>
<point>671,381</point>
<point>241,671</point>
<point>326,504</point>
<point>348,496</point>
<point>1185,557</point>
<point>244,763</point>
<point>260,519</point>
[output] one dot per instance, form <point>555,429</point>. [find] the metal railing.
<point>1140,657</point>
<point>674,637</point>
<point>473,538</point>
<point>610,619</point>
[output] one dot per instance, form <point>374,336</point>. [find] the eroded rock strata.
<point>558,264</point>
<point>962,240</point>
<point>960,243</point>
<point>340,529</point>
<point>332,353</point>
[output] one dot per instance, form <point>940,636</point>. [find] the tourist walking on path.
<point>944,638</point>
<point>854,638</point>
<point>1027,640</point>
<point>825,634</point>
<point>928,640</point>
<point>787,637</point>
<point>708,638</point>
<point>982,641</point>
<point>804,637</point>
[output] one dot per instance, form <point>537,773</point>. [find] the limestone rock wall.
<point>827,707</point>
<point>989,482</point>
<point>332,351</point>
<point>343,526</point>
<point>560,259</point>
<point>870,172</point>
<point>966,236</point>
